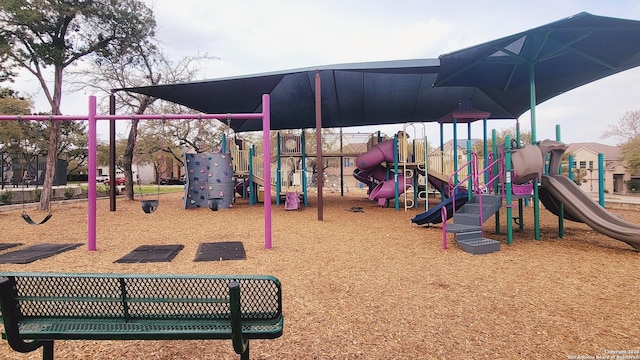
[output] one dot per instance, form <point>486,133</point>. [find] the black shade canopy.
<point>496,77</point>
<point>373,93</point>
<point>552,59</point>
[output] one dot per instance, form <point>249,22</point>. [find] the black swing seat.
<point>30,221</point>
<point>149,206</point>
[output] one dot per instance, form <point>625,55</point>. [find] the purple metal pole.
<point>266,138</point>
<point>91,227</point>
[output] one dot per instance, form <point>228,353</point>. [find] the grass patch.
<point>152,189</point>
<point>146,189</point>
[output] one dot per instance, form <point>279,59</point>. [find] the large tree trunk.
<point>54,133</point>
<point>128,158</point>
<point>50,169</point>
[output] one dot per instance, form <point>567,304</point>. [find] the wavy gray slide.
<point>580,205</point>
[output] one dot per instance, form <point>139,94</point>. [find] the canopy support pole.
<point>320,171</point>
<point>532,97</point>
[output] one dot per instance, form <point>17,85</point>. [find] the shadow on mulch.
<point>5,246</point>
<point>35,252</point>
<point>151,253</point>
<point>218,251</point>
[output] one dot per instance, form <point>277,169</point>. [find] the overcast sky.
<point>260,36</point>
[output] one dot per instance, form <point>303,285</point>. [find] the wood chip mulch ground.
<point>365,284</point>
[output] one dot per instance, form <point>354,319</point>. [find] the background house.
<point>585,160</point>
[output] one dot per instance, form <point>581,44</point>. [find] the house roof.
<point>609,152</point>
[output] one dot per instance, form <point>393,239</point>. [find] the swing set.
<point>26,177</point>
<point>92,118</point>
<point>150,205</point>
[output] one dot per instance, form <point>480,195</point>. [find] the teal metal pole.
<point>224,143</point>
<point>570,167</point>
<point>304,168</point>
<point>520,201</point>
<point>520,215</point>
<point>601,178</point>
<point>252,188</point>
<point>532,103</point>
<point>561,205</point>
<point>507,176</point>
<point>485,148</point>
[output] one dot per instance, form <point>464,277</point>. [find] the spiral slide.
<point>580,206</point>
<point>369,164</point>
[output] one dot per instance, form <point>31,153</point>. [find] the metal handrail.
<point>452,188</point>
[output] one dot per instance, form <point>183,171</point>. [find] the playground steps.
<point>467,225</point>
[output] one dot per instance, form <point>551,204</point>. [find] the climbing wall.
<point>209,179</point>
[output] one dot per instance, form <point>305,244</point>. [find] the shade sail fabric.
<point>372,93</point>
<point>559,56</point>
<point>493,77</point>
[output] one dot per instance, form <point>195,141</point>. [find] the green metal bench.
<point>39,308</point>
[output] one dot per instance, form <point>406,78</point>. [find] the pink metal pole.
<point>91,227</point>
<point>266,138</point>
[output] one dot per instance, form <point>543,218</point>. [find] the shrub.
<point>68,193</point>
<point>38,193</point>
<point>633,185</point>
<point>5,197</point>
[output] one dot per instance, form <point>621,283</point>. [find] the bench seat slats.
<point>56,329</point>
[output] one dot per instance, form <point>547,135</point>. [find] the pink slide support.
<point>387,190</point>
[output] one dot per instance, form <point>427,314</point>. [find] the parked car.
<point>171,181</point>
<point>119,181</point>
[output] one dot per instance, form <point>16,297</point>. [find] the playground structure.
<point>513,175</point>
<point>417,169</point>
<point>477,189</point>
<point>294,168</point>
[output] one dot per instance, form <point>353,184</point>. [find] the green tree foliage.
<point>73,146</point>
<point>144,65</point>
<point>501,135</point>
<point>6,70</point>
<point>627,129</point>
<point>44,37</point>
<point>630,154</point>
<point>10,131</point>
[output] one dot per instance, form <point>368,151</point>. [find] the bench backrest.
<point>144,296</point>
